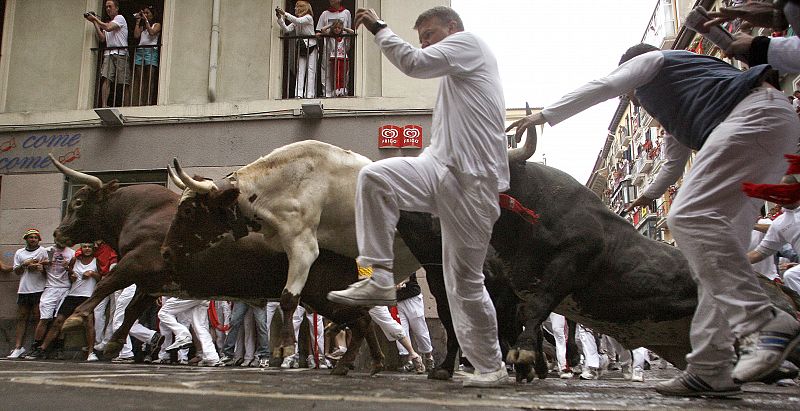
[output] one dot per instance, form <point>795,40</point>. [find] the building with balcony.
<point>222,93</point>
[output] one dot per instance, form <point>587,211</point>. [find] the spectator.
<point>106,260</point>
<point>145,61</point>
<point>338,62</point>
<point>237,320</point>
<point>335,12</point>
<point>306,56</point>
<point>711,217</point>
<point>55,290</point>
<point>198,309</point>
<point>83,273</point>
<point>316,330</point>
<point>411,312</point>
<point>28,264</point>
<point>114,70</point>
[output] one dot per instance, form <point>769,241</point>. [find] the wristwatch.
<point>378,26</point>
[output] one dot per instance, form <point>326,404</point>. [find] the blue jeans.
<point>237,319</point>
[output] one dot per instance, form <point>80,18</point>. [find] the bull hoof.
<point>525,357</point>
<point>376,368</point>
<point>112,349</point>
<point>523,372</point>
<point>73,322</point>
<point>340,370</point>
<point>439,374</point>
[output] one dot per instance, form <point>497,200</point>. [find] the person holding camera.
<point>145,60</point>
<point>306,56</point>
<point>115,69</point>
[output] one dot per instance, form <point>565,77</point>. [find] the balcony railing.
<point>126,76</point>
<point>318,66</point>
<point>643,164</point>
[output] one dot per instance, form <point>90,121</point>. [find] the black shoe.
<point>36,354</point>
<point>154,345</point>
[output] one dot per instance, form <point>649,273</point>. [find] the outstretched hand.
<point>523,124</point>
<point>639,202</point>
<point>759,14</point>
<point>367,17</point>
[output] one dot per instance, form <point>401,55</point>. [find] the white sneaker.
<point>92,357</point>
<point>290,362</point>
<point>180,343</point>
<point>16,353</point>
<point>627,372</point>
<point>590,373</point>
<point>263,362</point>
<point>637,375</point>
<point>210,363</point>
<point>566,375</point>
<point>365,293</point>
<point>183,361</point>
<point>494,379</point>
<point>246,362</point>
<point>337,354</point>
<point>763,351</point>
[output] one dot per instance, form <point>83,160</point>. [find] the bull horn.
<point>520,154</point>
<point>200,187</point>
<point>174,178</point>
<point>77,176</point>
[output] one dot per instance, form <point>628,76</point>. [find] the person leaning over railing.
<point>115,68</point>
<point>306,62</point>
<point>145,61</point>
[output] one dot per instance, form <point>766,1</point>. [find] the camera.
<point>137,15</point>
<point>89,13</point>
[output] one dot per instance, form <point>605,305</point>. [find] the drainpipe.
<point>214,55</point>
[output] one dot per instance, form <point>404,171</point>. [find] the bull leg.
<point>140,301</point>
<point>302,251</point>
<point>435,278</point>
<point>373,345</point>
<point>362,330</point>
<point>573,354</point>
<point>115,280</point>
<point>527,354</point>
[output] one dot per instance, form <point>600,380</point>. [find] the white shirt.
<point>118,37</point>
<point>83,287</point>
<point>302,26</point>
<point>766,266</point>
<point>328,16</point>
<point>784,229</point>
<point>57,276</point>
<point>146,39</point>
<point>468,132</point>
<point>32,281</point>
<point>675,157</point>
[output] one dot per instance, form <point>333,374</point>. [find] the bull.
<point>134,220</point>
<point>301,197</point>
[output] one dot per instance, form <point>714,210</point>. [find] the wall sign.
<point>392,136</point>
<point>28,152</point>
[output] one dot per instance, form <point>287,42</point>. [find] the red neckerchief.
<point>333,10</point>
<point>777,193</point>
<point>512,204</point>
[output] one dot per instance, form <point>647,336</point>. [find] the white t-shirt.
<point>119,37</point>
<point>57,276</point>
<point>765,267</point>
<point>32,281</point>
<point>83,287</point>
<point>784,229</point>
<point>468,131</point>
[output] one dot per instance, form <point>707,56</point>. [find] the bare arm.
<point>754,256</point>
<point>761,227</point>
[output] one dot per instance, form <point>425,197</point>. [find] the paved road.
<point>62,386</point>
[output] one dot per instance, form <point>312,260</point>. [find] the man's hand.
<point>759,14</point>
<point>367,17</point>
<point>639,202</point>
<point>523,124</point>
<point>279,12</point>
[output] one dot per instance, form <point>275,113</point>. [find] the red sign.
<point>390,136</point>
<point>412,136</point>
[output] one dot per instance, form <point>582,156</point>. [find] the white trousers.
<point>102,327</point>
<point>169,338</point>
<point>590,356</point>
<point>560,330</point>
<point>467,207</point>
<point>320,329</point>
<point>199,314</point>
<point>711,220</point>
<point>635,358</point>
<point>306,85</point>
<point>137,330</point>
<point>791,278</point>
<point>224,318</point>
<point>412,318</point>
<point>383,318</point>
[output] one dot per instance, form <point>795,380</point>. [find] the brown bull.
<point>134,220</point>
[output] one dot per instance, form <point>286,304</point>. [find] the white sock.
<point>382,277</point>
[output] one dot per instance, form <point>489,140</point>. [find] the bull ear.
<point>109,188</point>
<point>227,197</point>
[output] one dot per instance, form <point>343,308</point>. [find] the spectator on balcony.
<point>338,63</point>
<point>740,131</point>
<point>306,57</point>
<point>335,12</point>
<point>115,69</point>
<point>145,61</point>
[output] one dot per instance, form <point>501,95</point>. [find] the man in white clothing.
<point>458,177</point>
<point>182,337</point>
<point>740,126</point>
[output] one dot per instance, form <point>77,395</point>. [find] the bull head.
<point>83,219</point>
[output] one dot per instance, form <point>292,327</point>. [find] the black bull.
<point>134,221</point>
